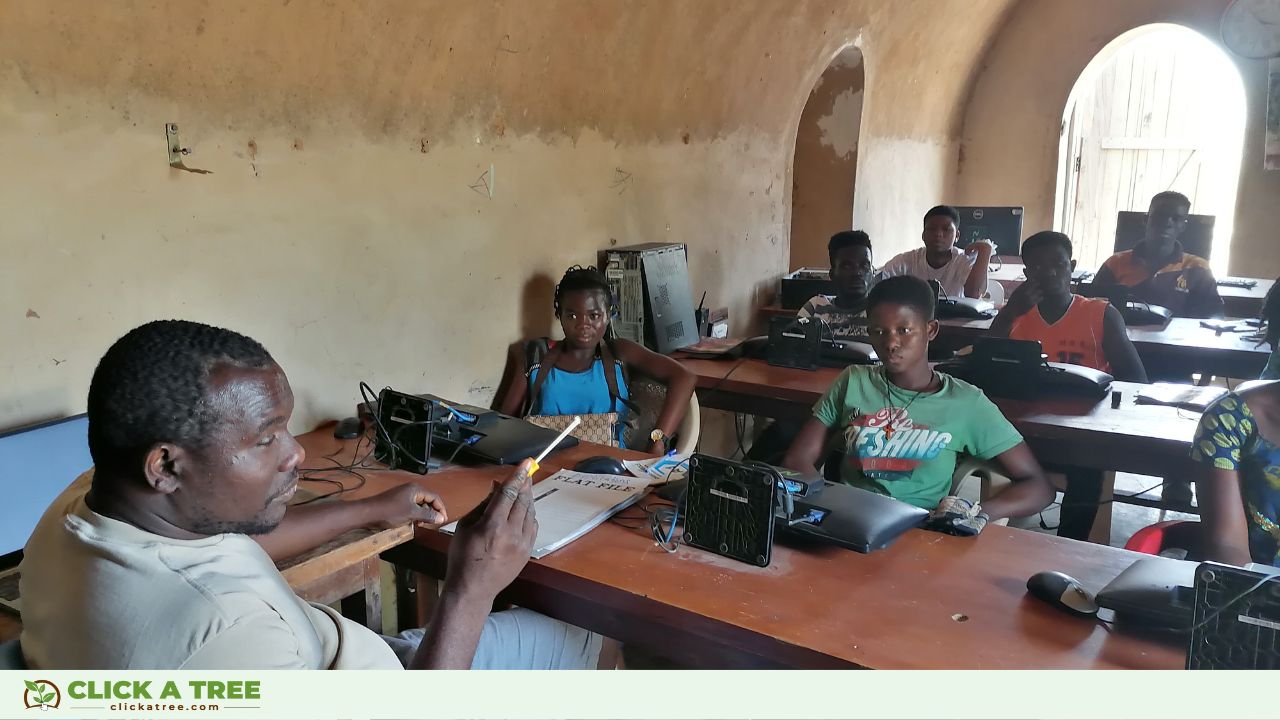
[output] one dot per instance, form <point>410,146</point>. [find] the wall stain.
<point>253,156</point>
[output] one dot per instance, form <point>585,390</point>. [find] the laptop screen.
<point>36,464</point>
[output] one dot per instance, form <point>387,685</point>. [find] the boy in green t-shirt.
<point>901,425</point>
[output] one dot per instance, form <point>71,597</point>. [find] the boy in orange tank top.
<point>1073,329</point>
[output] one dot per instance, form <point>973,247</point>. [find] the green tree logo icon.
<point>41,694</point>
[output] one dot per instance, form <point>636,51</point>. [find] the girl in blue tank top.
<point>576,382</point>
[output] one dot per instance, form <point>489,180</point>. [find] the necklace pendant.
<point>888,432</point>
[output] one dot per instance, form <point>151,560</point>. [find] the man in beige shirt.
<point>162,557</point>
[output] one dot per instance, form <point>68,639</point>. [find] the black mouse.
<point>601,465</point>
<point>1063,592</point>
<point>348,428</point>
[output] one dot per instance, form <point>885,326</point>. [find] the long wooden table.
<point>1244,302</point>
<point>928,601</point>
<point>1146,439</point>
<point>346,569</point>
<point>1181,348</point>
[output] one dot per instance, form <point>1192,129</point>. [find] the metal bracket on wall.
<point>176,151</point>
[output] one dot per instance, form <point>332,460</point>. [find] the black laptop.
<point>850,517</point>
<point>1154,591</point>
<point>495,438</point>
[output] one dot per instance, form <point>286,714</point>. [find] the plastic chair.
<point>995,293</point>
<point>1155,539</point>
<point>985,471</point>
<point>650,394</point>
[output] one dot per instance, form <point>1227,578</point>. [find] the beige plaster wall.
<point>1009,150</point>
<point>826,160</point>
<point>346,224</point>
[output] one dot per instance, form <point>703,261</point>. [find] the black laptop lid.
<point>1153,591</point>
<point>505,440</point>
<point>854,518</point>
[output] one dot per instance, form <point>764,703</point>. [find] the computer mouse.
<point>348,428</point>
<point>1063,592</point>
<point>601,465</point>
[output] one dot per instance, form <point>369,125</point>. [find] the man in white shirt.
<point>959,273</point>
<point>162,556</point>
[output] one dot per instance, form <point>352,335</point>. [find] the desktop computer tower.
<point>650,285</point>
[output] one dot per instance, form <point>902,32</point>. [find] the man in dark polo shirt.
<point>1157,271</point>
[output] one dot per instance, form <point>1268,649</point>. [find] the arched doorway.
<point>1159,108</point>
<point>826,159</point>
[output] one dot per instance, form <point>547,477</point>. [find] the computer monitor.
<point>1196,239</point>
<point>1001,225</point>
<point>37,463</point>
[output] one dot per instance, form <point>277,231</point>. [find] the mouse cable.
<point>1114,497</point>
<point>715,388</point>
<point>665,538</point>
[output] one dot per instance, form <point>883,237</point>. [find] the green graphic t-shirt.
<point>904,445</point>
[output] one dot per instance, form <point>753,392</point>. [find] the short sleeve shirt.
<point>842,323</point>
<point>951,276</point>
<point>1228,439</point>
<point>903,444</point>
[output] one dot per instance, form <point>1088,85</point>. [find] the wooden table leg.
<point>1101,531</point>
<point>416,597</point>
<point>365,606</point>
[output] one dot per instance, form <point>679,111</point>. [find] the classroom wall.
<point>349,219</point>
<point>826,160</point>
<point>1009,151</point>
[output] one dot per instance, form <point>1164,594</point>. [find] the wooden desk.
<point>1181,348</point>
<point>928,601</point>
<point>1146,439</point>
<point>346,568</point>
<point>1237,302</point>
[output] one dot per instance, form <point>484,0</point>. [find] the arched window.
<point>1159,108</point>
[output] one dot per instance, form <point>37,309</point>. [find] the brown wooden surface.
<point>346,568</point>
<point>346,550</point>
<point>1237,302</point>
<point>928,601</point>
<point>1147,439</point>
<point>1183,347</point>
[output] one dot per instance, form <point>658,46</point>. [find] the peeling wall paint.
<point>840,127</point>
<point>824,172</point>
<point>340,225</point>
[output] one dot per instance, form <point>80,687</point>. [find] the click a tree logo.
<point>41,694</point>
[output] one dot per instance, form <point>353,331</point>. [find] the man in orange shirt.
<point>1158,272</point>
<point>1071,328</point>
